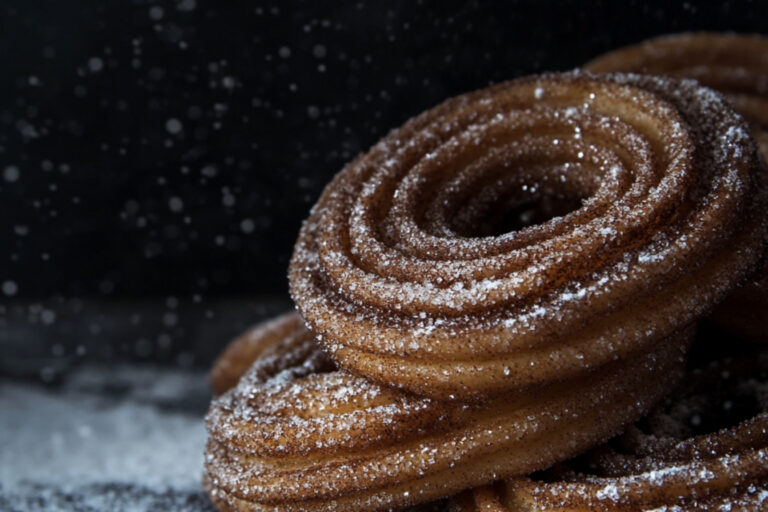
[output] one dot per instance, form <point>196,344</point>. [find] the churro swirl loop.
<point>280,344</point>
<point>737,66</point>
<point>301,436</point>
<point>733,64</point>
<point>705,449</point>
<point>442,262</point>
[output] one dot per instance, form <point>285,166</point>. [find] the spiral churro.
<point>734,64</point>
<point>296,435</point>
<point>705,449</point>
<point>737,66</point>
<point>431,263</point>
<point>273,346</point>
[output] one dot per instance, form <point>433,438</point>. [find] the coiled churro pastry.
<point>737,66</point>
<point>705,449</point>
<point>431,263</point>
<point>296,435</point>
<point>278,344</point>
<point>733,64</point>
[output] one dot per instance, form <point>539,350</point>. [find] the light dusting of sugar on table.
<point>75,437</point>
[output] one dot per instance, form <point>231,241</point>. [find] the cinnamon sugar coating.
<point>281,344</point>
<point>704,449</point>
<point>295,434</point>
<point>737,66</point>
<point>441,263</point>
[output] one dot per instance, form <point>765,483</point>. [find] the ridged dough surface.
<point>295,434</point>
<point>737,66</point>
<point>442,261</point>
<point>704,449</point>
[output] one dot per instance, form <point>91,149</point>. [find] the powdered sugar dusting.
<point>73,438</point>
<point>403,259</point>
<point>327,435</point>
<point>661,464</point>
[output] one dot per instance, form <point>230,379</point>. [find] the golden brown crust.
<point>391,275</point>
<point>669,461</point>
<point>737,66</point>
<point>524,348</point>
<point>277,345</point>
<point>314,439</point>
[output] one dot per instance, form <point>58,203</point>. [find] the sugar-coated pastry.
<point>532,232</point>
<point>734,64</point>
<point>295,434</point>
<point>737,66</point>
<point>279,344</point>
<point>705,449</point>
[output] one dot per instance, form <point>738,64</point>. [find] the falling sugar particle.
<point>186,5</point>
<point>47,316</point>
<point>156,13</point>
<point>228,199</point>
<point>170,319</point>
<point>228,82</point>
<point>247,225</point>
<point>11,173</point>
<point>175,204</point>
<point>173,126</point>
<point>95,64</point>
<point>319,51</point>
<point>10,288</point>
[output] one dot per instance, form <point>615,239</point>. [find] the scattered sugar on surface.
<point>75,438</point>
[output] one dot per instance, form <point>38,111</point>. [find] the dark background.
<point>157,158</point>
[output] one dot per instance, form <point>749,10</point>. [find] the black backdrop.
<point>155,148</point>
<point>158,157</point>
